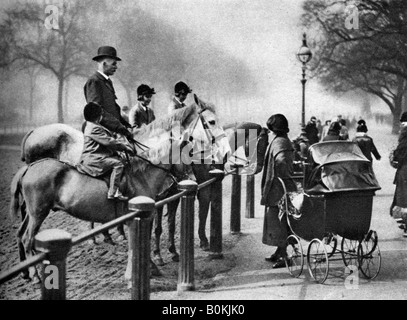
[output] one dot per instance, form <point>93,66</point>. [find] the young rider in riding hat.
<point>99,154</point>
<point>181,91</point>
<point>141,113</point>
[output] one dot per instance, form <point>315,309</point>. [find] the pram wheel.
<point>317,259</point>
<point>295,256</point>
<point>369,257</point>
<point>349,252</point>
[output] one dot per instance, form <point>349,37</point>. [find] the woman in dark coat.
<point>333,132</point>
<point>399,206</point>
<point>278,164</point>
<point>366,143</point>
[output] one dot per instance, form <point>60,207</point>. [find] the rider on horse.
<point>99,153</point>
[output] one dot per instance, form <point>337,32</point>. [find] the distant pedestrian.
<point>333,132</point>
<point>301,145</point>
<point>366,143</point>
<point>319,127</point>
<point>311,131</point>
<point>325,129</point>
<point>398,208</point>
<point>344,132</point>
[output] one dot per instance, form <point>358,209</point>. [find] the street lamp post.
<point>304,55</point>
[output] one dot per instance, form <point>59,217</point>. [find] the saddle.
<point>104,177</point>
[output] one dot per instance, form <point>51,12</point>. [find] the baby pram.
<point>334,208</point>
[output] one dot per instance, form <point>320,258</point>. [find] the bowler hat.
<point>106,51</point>
<point>403,117</point>
<point>182,86</point>
<point>144,89</point>
<point>278,123</point>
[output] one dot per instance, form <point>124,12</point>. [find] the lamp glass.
<point>304,54</point>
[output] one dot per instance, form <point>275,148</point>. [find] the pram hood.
<point>338,166</point>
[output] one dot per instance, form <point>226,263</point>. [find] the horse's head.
<point>207,140</point>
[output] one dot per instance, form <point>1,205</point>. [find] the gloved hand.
<point>126,133</point>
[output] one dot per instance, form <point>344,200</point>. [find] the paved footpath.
<point>254,279</point>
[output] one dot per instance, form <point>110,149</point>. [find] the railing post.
<point>236,199</point>
<point>215,240</point>
<point>56,243</point>
<point>250,179</point>
<point>140,237</point>
<point>186,278</point>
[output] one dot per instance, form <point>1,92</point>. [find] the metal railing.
<point>55,244</point>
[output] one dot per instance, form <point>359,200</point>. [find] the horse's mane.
<point>165,123</point>
<point>157,133</point>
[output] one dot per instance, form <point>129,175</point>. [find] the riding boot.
<point>115,183</point>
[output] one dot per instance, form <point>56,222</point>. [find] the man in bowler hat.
<point>141,114</point>
<point>99,88</point>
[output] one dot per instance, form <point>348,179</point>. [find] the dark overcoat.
<point>400,179</point>
<point>278,164</point>
<point>98,89</point>
<point>367,146</point>
<point>138,116</point>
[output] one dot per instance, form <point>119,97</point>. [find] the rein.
<point>144,148</point>
<point>158,167</point>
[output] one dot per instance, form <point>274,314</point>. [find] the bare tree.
<point>62,48</point>
<point>161,54</point>
<point>371,57</point>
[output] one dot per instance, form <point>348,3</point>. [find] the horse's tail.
<point>23,155</point>
<point>15,190</point>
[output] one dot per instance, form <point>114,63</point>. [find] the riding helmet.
<point>181,87</point>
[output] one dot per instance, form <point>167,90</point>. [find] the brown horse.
<point>49,184</point>
<point>254,145</point>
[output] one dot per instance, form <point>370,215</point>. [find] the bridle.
<point>209,135</point>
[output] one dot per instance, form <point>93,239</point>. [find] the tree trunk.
<point>398,106</point>
<point>66,98</point>
<point>129,98</point>
<point>31,105</point>
<point>60,99</point>
<point>396,121</point>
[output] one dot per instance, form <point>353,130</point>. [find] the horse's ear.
<point>196,99</point>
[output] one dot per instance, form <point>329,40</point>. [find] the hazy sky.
<point>264,33</point>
